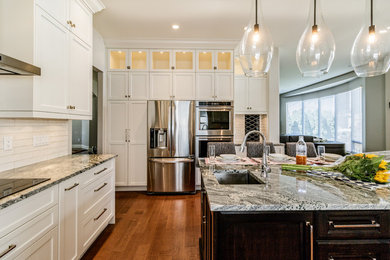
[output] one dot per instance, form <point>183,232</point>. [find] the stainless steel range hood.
<point>11,66</point>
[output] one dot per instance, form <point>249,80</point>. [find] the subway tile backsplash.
<point>33,140</point>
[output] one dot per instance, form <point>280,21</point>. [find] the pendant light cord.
<point>256,11</point>
<point>372,13</point>
<point>315,12</point>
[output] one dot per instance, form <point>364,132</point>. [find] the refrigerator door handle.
<point>172,160</point>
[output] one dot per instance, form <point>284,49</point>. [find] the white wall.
<point>22,132</point>
<point>387,107</point>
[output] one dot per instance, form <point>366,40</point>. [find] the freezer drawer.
<point>171,175</point>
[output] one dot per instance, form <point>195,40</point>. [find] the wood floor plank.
<point>151,227</point>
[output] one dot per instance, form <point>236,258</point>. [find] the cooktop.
<point>11,186</point>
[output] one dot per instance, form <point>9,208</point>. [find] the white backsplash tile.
<point>23,131</point>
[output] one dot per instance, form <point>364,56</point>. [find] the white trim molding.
<point>95,5</point>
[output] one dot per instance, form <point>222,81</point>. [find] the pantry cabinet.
<point>57,37</point>
<point>250,95</point>
<point>127,138</point>
<point>128,85</point>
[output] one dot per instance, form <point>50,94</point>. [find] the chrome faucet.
<point>264,165</point>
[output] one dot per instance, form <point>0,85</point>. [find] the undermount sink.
<point>233,177</point>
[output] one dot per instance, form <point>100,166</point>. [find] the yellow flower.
<point>359,155</point>
<point>383,165</point>
<point>382,176</point>
<point>370,156</point>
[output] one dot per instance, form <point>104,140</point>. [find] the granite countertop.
<point>288,191</point>
<point>58,170</point>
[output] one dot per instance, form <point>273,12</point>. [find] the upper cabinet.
<point>250,95</point>
<point>128,60</point>
<point>161,60</point>
<point>55,35</point>
<point>214,61</point>
<point>184,61</point>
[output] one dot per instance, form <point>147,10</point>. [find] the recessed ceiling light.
<point>175,27</point>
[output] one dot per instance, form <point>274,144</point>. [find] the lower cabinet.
<point>322,235</point>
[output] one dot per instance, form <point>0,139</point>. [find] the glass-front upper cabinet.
<point>161,60</point>
<point>205,61</point>
<point>118,60</point>
<point>184,60</point>
<point>224,60</point>
<point>139,60</point>
<point>126,60</point>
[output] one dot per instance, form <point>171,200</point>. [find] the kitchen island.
<point>290,215</point>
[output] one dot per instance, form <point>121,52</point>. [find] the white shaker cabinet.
<point>69,214</point>
<point>250,95</point>
<point>214,86</point>
<point>128,85</point>
<point>223,86</point>
<point>80,20</point>
<point>160,86</point>
<point>183,87</point>
<point>127,138</point>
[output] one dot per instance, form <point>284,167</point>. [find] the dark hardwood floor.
<point>151,227</point>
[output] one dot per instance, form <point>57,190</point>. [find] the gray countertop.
<point>289,191</point>
<point>58,170</point>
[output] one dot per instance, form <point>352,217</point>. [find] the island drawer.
<point>352,249</point>
<point>352,224</point>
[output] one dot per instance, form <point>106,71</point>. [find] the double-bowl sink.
<point>226,177</point>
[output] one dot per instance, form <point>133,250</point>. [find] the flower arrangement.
<point>364,167</point>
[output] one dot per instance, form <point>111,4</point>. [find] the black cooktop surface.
<point>11,186</point>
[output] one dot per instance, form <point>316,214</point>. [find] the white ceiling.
<point>218,20</point>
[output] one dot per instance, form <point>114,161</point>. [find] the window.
<point>337,117</point>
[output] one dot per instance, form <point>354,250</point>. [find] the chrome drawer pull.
<point>101,187</point>
<point>74,186</point>
<point>372,225</point>
<point>9,249</point>
<point>99,172</point>
<point>101,214</point>
<point>308,224</point>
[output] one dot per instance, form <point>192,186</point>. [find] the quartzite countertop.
<point>58,170</point>
<point>288,191</point>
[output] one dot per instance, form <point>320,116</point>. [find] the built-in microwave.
<point>214,118</point>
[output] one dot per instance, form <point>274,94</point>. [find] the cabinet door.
<point>139,85</point>
<point>257,95</point>
<point>238,68</point>
<point>81,18</point>
<point>204,61</point>
<point>116,141</point>
<point>184,86</point>
<point>160,60</point>
<point>224,61</point>
<point>224,86</point>
<point>137,122</point>
<point>51,41</point>
<point>205,86</point>
<point>80,87</point>
<point>160,85</point>
<point>56,8</point>
<point>118,85</point>
<point>118,60</point>
<point>68,212</point>
<point>45,248</point>
<point>184,60</point>
<point>240,94</point>
<point>137,165</point>
<point>139,60</point>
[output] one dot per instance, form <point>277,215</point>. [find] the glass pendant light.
<point>316,48</point>
<point>256,48</point>
<point>370,55</point>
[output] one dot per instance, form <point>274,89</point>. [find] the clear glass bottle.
<point>301,151</point>
<point>370,55</point>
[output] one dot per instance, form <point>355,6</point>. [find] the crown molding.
<point>95,5</point>
<point>170,43</point>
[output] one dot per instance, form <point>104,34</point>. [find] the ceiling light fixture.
<point>256,47</point>
<point>316,47</point>
<point>175,27</point>
<point>370,55</point>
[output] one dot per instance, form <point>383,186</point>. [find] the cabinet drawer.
<point>95,222</point>
<point>353,224</point>
<point>353,249</point>
<point>23,237</point>
<point>95,173</point>
<point>21,212</point>
<point>94,192</point>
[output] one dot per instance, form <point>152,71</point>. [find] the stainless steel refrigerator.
<point>171,139</point>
